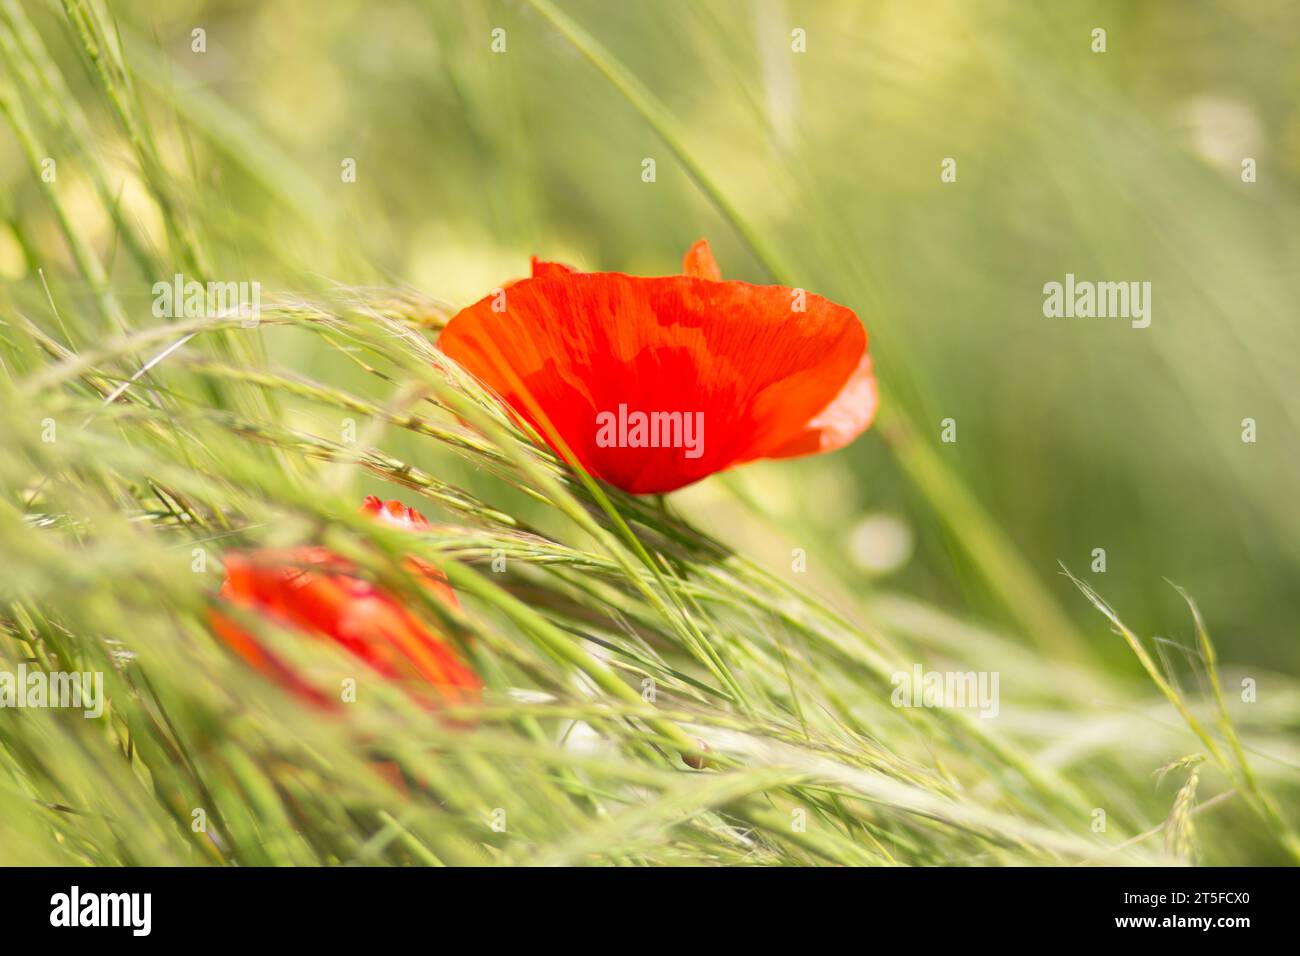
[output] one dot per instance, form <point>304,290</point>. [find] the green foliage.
<point>662,687</point>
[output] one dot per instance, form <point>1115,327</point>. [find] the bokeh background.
<point>1073,434</point>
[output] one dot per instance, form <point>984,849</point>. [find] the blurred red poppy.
<point>654,383</point>
<point>320,593</point>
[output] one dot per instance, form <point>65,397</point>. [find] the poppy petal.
<point>541,267</point>
<point>395,513</point>
<point>847,416</point>
<point>699,262</point>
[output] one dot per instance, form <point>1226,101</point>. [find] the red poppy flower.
<point>654,383</point>
<point>320,593</point>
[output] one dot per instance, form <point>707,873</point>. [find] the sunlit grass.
<point>653,696</point>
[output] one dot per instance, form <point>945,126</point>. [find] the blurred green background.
<point>1074,434</point>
